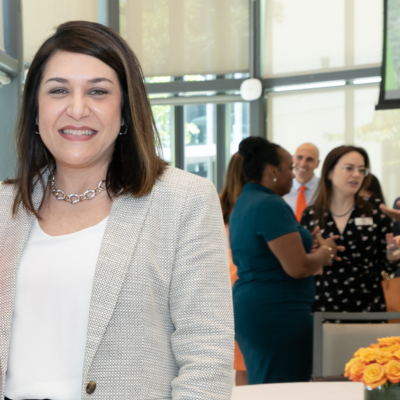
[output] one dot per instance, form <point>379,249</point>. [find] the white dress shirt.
<point>48,336</point>
<point>311,188</point>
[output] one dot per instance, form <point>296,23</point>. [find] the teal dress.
<point>273,321</point>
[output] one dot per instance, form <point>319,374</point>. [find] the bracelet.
<point>329,249</point>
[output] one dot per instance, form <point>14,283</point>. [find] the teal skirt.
<point>275,338</point>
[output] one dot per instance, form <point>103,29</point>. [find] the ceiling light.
<point>306,86</point>
<point>372,79</point>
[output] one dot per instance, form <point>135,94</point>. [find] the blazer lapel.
<point>126,219</point>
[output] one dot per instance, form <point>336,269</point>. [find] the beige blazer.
<point>160,321</point>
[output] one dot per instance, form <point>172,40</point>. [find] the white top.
<point>311,188</point>
<point>48,335</point>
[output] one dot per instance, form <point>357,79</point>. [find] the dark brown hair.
<point>135,164</point>
<point>371,184</point>
<point>234,182</point>
<point>324,197</point>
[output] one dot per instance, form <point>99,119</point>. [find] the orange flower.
<point>355,370</point>
<point>357,353</point>
<point>374,375</point>
<point>390,349</point>
<point>389,341</point>
<point>383,357</point>
<point>392,369</point>
<point>397,354</point>
<point>367,355</point>
<point>348,365</point>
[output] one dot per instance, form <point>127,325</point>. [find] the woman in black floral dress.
<point>353,283</point>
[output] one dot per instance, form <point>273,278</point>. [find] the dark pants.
<point>6,398</point>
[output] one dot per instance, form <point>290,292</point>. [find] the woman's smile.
<point>77,134</point>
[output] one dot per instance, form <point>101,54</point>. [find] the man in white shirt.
<point>305,183</point>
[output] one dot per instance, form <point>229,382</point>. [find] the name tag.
<point>363,221</point>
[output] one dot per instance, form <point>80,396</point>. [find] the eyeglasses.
<point>350,169</point>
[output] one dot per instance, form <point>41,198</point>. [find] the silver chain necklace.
<point>339,216</point>
<point>75,198</point>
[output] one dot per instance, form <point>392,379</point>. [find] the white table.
<point>301,391</point>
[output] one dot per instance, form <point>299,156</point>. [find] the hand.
<point>330,242</point>
<point>319,272</point>
<point>392,247</point>
<point>392,240</point>
<point>315,245</point>
<point>390,212</point>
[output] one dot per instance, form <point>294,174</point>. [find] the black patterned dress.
<point>353,284</point>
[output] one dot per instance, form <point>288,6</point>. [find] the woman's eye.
<point>97,92</point>
<point>348,168</point>
<point>58,91</point>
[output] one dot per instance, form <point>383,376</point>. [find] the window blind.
<point>187,37</point>
<point>41,17</point>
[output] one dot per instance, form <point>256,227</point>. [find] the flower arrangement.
<point>376,365</point>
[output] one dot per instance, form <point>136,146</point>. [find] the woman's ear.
<point>270,172</point>
<point>330,173</point>
<point>274,173</point>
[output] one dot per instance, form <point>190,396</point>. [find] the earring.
<point>36,128</point>
<point>274,180</point>
<point>123,130</point>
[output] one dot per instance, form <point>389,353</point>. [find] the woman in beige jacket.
<point>113,266</point>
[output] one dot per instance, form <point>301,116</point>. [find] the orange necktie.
<point>301,203</point>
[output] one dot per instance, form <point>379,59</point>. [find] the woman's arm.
<point>392,247</point>
<point>289,250</point>
<point>201,300</point>
<point>383,228</point>
<point>390,212</point>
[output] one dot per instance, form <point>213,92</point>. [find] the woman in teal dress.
<point>275,290</point>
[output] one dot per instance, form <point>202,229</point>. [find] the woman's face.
<point>284,178</point>
<point>348,174</point>
<point>79,110</point>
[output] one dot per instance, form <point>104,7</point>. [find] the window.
<point>238,117</point>
<point>164,122</point>
<point>200,141</point>
<point>318,36</point>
